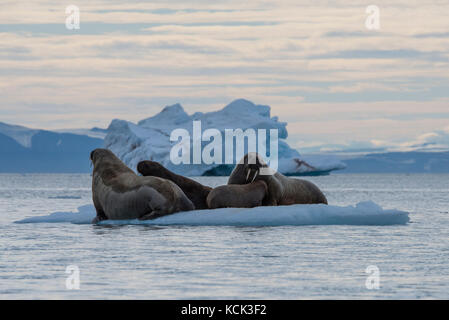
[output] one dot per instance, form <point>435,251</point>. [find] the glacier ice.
<point>149,139</point>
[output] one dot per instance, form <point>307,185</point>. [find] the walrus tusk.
<point>247,175</point>
<point>256,172</point>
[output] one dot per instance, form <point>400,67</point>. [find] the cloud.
<point>314,62</point>
<point>385,54</point>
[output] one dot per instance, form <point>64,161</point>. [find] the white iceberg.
<point>363,213</point>
<point>150,139</point>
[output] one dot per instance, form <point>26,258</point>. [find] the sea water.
<point>227,261</point>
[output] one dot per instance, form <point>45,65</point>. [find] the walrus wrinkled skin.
<point>238,195</point>
<point>119,193</point>
<point>281,189</point>
<point>195,191</point>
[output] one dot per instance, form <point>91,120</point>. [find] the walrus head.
<point>99,154</point>
<point>248,169</point>
<point>153,168</point>
<point>107,164</point>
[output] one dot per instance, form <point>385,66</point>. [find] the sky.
<point>340,85</point>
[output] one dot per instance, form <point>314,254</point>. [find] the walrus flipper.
<point>152,215</point>
<point>156,206</point>
<point>100,214</point>
<point>98,219</point>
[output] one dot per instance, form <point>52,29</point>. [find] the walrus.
<point>119,193</point>
<point>195,191</point>
<point>238,195</point>
<point>281,189</point>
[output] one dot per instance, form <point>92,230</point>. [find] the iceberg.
<point>363,213</point>
<point>149,139</point>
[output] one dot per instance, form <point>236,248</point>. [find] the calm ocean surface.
<point>187,262</point>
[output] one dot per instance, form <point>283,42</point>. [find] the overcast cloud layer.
<point>337,84</point>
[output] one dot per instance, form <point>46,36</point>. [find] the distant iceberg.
<point>363,213</point>
<point>150,139</point>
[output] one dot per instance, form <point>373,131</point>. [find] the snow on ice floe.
<point>150,138</point>
<point>363,213</point>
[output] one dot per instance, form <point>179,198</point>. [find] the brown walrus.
<point>119,193</point>
<point>238,195</point>
<point>195,191</point>
<point>281,189</point>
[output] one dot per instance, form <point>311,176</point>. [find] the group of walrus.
<point>119,193</point>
